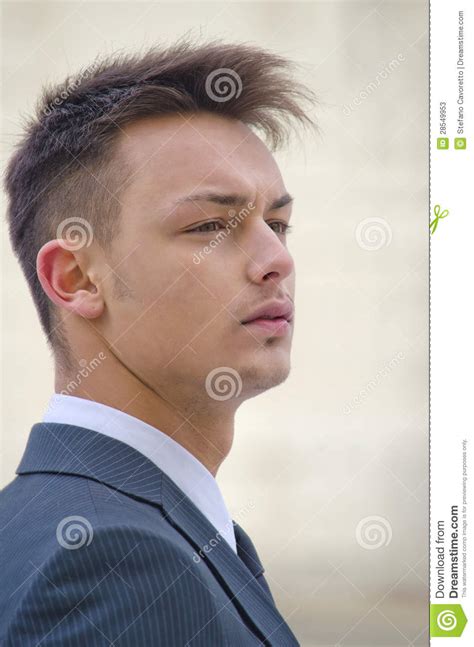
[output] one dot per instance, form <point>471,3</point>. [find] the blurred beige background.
<point>329,471</point>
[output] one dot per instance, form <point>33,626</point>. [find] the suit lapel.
<point>60,448</point>
<point>229,568</point>
<point>248,554</point>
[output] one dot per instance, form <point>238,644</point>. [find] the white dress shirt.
<point>187,472</point>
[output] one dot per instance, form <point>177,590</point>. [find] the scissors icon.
<point>438,215</point>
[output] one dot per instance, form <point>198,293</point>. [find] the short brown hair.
<point>64,164</point>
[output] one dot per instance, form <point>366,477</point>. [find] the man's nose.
<point>267,254</point>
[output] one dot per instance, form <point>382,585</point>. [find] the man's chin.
<point>245,374</point>
<point>262,376</point>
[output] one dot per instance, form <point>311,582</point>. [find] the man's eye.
<point>281,227</point>
<point>207,227</point>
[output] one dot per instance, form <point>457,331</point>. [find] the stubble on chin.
<point>260,377</point>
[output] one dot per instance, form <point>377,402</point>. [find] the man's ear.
<point>65,283</point>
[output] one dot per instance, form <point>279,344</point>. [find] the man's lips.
<point>278,327</point>
<point>274,317</point>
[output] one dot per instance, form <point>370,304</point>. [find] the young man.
<point>150,221</point>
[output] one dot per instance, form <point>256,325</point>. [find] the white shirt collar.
<point>178,463</point>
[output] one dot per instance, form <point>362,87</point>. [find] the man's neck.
<point>207,433</point>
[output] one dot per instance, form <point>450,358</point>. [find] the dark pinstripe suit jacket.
<point>99,547</point>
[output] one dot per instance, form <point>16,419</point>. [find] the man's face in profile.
<point>174,310</point>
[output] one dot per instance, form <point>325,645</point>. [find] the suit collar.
<point>68,449</point>
<point>186,471</point>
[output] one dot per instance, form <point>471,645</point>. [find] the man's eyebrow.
<point>280,202</point>
<point>233,199</point>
